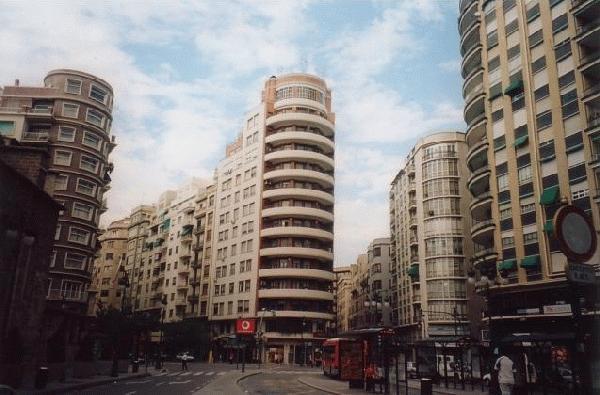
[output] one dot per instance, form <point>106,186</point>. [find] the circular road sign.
<point>575,233</point>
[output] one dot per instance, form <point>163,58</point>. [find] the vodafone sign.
<point>245,326</point>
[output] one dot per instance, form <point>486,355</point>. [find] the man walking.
<point>184,362</point>
<point>506,376</point>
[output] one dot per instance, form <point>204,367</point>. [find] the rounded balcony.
<point>280,231</point>
<point>300,102</point>
<point>471,61</point>
<point>299,212</point>
<point>477,130</point>
<point>306,194</point>
<point>324,143</point>
<point>299,174</point>
<point>479,182</point>
<point>467,18</point>
<point>300,252</point>
<point>464,5</point>
<point>296,118</point>
<point>294,293</point>
<point>484,254</point>
<point>482,232</point>
<point>299,314</point>
<point>477,155</point>
<point>302,155</point>
<point>473,80</point>
<point>474,108</point>
<point>470,38</point>
<point>297,273</point>
<point>481,206</point>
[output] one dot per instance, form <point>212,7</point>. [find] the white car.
<point>185,356</point>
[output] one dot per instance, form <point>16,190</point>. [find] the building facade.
<point>342,291</point>
<point>380,281</point>
<point>110,258</point>
<point>429,252</point>
<point>532,101</point>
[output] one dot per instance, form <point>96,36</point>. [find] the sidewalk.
<point>78,384</point>
<point>337,387</point>
<point>227,384</point>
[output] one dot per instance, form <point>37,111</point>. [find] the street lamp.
<point>302,336</point>
<point>259,341</point>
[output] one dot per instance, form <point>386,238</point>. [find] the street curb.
<point>317,387</point>
<point>80,386</point>
<point>246,375</point>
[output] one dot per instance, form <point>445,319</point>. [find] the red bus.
<point>343,358</point>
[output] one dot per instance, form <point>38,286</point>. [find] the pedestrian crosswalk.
<point>221,373</point>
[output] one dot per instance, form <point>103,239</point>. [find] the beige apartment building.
<point>429,252</point>
<point>532,98</point>
<point>109,261</point>
<point>342,294</point>
<point>273,246</point>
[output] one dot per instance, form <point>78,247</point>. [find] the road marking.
<point>185,373</point>
<point>137,382</point>
<point>174,374</point>
<point>161,383</point>
<point>198,373</point>
<point>221,373</point>
<point>130,393</point>
<point>210,373</point>
<point>163,374</point>
<point>180,382</point>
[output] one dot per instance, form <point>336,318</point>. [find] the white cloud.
<point>450,66</point>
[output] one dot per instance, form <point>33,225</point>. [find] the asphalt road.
<point>173,381</point>
<point>279,382</point>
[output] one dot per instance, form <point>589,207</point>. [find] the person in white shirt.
<point>506,375</point>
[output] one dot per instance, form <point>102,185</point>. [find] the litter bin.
<point>135,366</point>
<point>426,387</point>
<point>41,378</point>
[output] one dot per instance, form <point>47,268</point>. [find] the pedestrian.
<point>506,374</point>
<point>184,362</point>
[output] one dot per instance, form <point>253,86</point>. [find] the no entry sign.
<point>245,326</point>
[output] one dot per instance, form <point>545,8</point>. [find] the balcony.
<point>103,206</point>
<point>300,252</point>
<point>324,179</point>
<point>35,136</point>
<point>297,273</point>
<point>477,130</point>
<point>294,118</point>
<point>484,253</point>
<point>297,212</point>
<point>472,82</point>
<point>67,295</point>
<point>412,223</point>
<point>482,232</point>
<point>588,34</point>
<point>326,144</point>
<point>588,64</point>
<point>477,155</point>
<point>470,38</point>
<point>294,293</point>
<point>280,231</point>
<point>474,108</point>
<point>478,182</point>
<point>179,302</point>
<point>481,206</point>
<point>585,9</point>
<point>302,314</point>
<point>322,197</point>
<point>467,18</point>
<point>286,155</point>
<point>471,62</point>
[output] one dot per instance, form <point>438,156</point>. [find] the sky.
<point>184,73</point>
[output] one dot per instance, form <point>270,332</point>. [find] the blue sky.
<point>184,74</point>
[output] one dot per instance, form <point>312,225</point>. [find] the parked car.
<point>411,370</point>
<point>185,356</point>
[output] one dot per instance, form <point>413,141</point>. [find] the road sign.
<point>245,326</point>
<point>581,273</point>
<point>575,233</point>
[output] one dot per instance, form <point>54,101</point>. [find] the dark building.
<point>28,217</point>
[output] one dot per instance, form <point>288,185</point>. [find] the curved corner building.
<point>296,236</point>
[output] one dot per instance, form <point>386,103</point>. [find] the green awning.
<point>530,262</point>
<point>187,230</point>
<point>520,141</point>
<point>550,195</point>
<point>7,128</point>
<point>514,87</point>
<point>413,270</point>
<point>549,226</point>
<point>509,264</point>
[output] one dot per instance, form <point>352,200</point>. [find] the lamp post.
<point>259,334</point>
<point>302,335</point>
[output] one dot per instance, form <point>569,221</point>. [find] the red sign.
<point>245,325</point>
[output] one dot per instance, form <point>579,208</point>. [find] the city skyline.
<point>161,90</point>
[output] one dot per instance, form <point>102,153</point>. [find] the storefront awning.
<point>509,264</point>
<point>550,195</point>
<point>520,141</point>
<point>413,270</point>
<point>530,262</point>
<point>514,87</point>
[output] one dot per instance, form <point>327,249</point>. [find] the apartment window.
<point>518,101</point>
<point>91,140</point>
<point>580,194</point>
<point>536,38</point>
<point>70,110</point>
<point>505,213</point>
<point>502,182</point>
<point>570,106</point>
<point>62,158</point>
<point>527,208</point>
<point>247,286</point>
<point>88,163</point>
<point>94,117</point>
<point>499,143</point>
<point>512,27</point>
<point>66,134</point>
<point>70,289</point>
<point>525,175</point>
<point>538,64</point>
<point>513,52</point>
<point>493,64</point>
<point>98,94</point>
<point>492,39</point>
<point>542,92</point>
<point>86,187</point>
<point>574,142</point>
<point>495,91</point>
<point>82,211</point>
<point>543,120</point>
<point>497,115</point>
<point>240,286</point>
<point>74,261</point>
<point>508,242</point>
<point>533,13</point>
<point>508,4</point>
<point>562,50</point>
<point>80,236</point>
<point>566,79</point>
<point>60,182</point>
<point>546,151</point>
<point>529,238</point>
<point>73,86</point>
<point>232,269</point>
<point>560,23</point>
